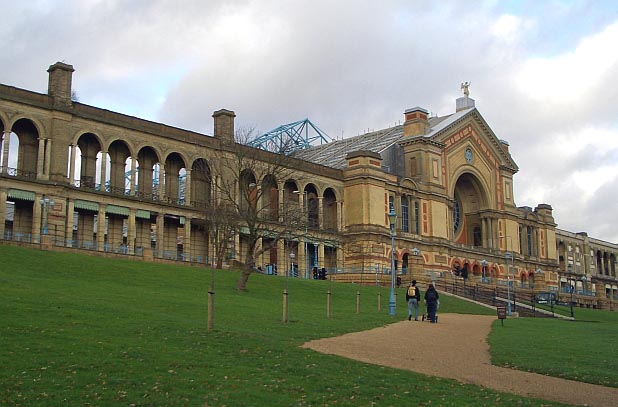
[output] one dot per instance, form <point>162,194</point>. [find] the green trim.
<point>117,210</point>
<point>21,194</point>
<point>86,205</point>
<point>142,214</point>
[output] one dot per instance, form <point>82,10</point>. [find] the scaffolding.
<point>291,137</point>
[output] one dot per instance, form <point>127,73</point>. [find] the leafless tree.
<point>246,201</point>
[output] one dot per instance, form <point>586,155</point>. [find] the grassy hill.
<point>84,330</point>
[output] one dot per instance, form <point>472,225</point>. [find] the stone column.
<point>68,232</point>
<point>321,262</point>
<point>3,193</point>
<point>340,216</point>
<point>131,231</point>
<point>303,258</point>
<point>340,258</point>
<point>36,218</point>
<point>103,170</point>
<point>321,212</point>
<point>6,136</point>
<point>160,235</point>
<point>186,240</point>
<point>161,191</point>
<point>101,228</point>
<point>40,158</point>
<point>48,153</point>
<point>188,188</point>
<point>133,175</point>
<point>280,200</point>
<point>282,259</point>
<point>72,166</point>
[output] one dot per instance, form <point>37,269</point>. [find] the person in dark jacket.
<point>431,300</point>
<point>413,296</point>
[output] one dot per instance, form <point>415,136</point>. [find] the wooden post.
<point>211,307</point>
<point>379,301</point>
<point>285,306</point>
<point>328,302</point>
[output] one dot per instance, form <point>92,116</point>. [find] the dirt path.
<point>449,357</point>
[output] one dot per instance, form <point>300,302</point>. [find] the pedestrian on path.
<point>413,296</point>
<point>431,299</point>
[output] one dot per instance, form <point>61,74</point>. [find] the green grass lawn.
<point>82,330</point>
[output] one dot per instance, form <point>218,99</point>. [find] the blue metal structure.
<point>291,137</point>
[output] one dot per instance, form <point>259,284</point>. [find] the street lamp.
<point>46,202</point>
<point>571,282</point>
<point>508,281</point>
<point>392,218</point>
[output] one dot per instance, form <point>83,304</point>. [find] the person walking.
<point>413,296</point>
<point>431,300</point>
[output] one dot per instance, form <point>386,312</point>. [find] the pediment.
<point>471,129</point>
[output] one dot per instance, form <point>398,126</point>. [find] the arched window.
<point>405,221</point>
<point>456,215</point>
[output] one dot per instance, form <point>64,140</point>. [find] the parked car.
<point>546,298</point>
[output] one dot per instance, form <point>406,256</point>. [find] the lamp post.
<point>571,282</point>
<point>508,281</point>
<point>285,291</point>
<point>392,218</point>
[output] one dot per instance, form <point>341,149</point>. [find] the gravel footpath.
<point>437,350</point>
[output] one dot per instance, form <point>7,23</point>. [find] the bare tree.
<point>246,184</point>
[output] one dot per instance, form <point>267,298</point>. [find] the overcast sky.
<point>544,74</point>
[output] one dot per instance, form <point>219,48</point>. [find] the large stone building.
<point>66,165</point>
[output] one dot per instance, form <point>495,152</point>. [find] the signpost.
<point>501,310</point>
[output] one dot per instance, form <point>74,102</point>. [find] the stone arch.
<point>148,169</point>
<point>28,135</point>
<point>118,154</point>
<point>312,206</point>
<point>87,154</point>
<point>470,199</point>
<point>291,199</point>
<point>270,197</point>
<point>330,210</point>
<point>174,178</point>
<point>201,183</point>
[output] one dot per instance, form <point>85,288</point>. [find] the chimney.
<point>59,86</point>
<point>416,123</point>
<point>224,124</point>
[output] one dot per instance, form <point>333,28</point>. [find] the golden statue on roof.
<point>465,87</point>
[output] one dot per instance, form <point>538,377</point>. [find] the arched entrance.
<point>470,200</point>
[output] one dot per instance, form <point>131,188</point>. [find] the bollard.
<point>211,308</point>
<point>285,306</point>
<point>328,299</point>
<point>379,301</point>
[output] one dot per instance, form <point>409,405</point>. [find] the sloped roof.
<point>333,154</point>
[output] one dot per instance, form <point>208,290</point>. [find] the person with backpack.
<point>431,299</point>
<point>413,296</point>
